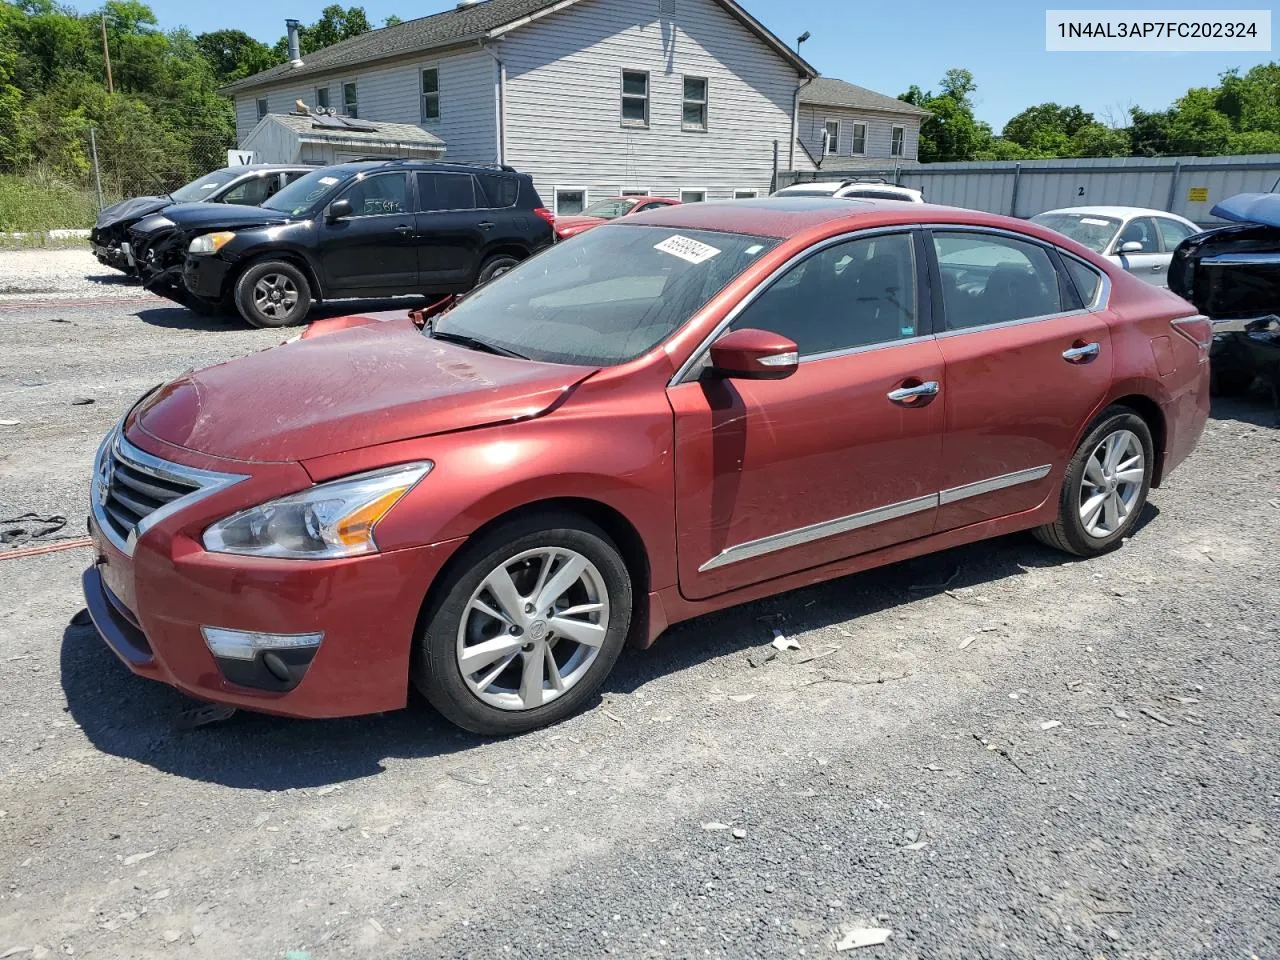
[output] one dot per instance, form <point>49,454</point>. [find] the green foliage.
<point>335,24</point>
<point>950,132</point>
<point>1046,126</point>
<point>38,201</point>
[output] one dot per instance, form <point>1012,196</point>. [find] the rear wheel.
<point>1105,487</point>
<point>495,267</point>
<point>273,294</point>
<point>526,627</point>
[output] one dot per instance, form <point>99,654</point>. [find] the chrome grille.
<point>132,489</point>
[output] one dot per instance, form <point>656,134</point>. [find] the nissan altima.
<point>675,412</point>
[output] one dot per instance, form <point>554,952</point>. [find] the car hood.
<point>214,216</point>
<point>130,209</point>
<point>151,224</point>
<point>361,387</point>
<point>1263,208</point>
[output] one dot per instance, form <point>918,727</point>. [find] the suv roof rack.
<point>853,180</point>
<point>448,163</point>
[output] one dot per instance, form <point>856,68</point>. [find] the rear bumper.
<point>1185,416</point>
<point>366,608</point>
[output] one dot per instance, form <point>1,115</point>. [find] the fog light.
<point>247,644</point>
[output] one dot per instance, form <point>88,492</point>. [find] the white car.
<point>864,189</point>
<point>1139,240</point>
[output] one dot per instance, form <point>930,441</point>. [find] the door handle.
<point>1159,266</point>
<point>914,395</point>
<point>486,224</point>
<point>403,230</point>
<point>1080,352</point>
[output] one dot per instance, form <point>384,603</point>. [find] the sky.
<point>886,47</point>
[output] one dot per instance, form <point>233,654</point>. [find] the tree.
<point>1038,127</point>
<point>950,132</point>
<point>233,54</point>
<point>335,25</point>
<point>392,21</point>
<point>1099,140</point>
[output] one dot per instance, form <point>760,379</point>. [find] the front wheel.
<point>273,294</point>
<point>526,627</point>
<point>1105,487</point>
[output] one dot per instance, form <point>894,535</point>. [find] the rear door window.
<point>992,278</point>
<point>438,192</point>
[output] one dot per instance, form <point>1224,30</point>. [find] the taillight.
<point>545,214</point>
<point>1198,329</point>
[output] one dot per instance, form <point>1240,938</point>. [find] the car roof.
<point>356,166</point>
<point>785,216</point>
<point>1117,212</point>
<point>257,167</point>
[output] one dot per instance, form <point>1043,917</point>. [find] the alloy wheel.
<point>275,295</point>
<point>1114,474</point>
<point>533,628</point>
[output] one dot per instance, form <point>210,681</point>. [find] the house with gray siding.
<point>842,126</point>
<point>593,98</point>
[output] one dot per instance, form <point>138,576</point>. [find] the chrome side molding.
<point>856,521</point>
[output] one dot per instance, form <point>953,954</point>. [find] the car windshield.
<point>608,209</point>
<point>202,188</point>
<point>604,297</point>
<point>1087,229</point>
<point>305,192</point>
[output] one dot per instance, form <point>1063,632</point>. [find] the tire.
<point>499,697</point>
<point>494,267</point>
<point>257,290</point>
<point>1123,500</point>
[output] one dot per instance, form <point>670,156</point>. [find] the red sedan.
<point>687,410</point>
<point>602,211</point>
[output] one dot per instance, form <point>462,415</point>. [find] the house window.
<point>831,134</point>
<point>636,192</point>
<point>262,107</point>
<point>859,139</point>
<point>745,194</point>
<point>430,94</point>
<point>322,98</point>
<point>635,98</point>
<point>694,116</point>
<point>350,105</point>
<point>899,141</point>
<point>570,201</point>
<point>693,196</point>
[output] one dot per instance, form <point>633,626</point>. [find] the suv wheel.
<point>1106,486</point>
<point>526,627</point>
<point>273,294</point>
<point>495,267</point>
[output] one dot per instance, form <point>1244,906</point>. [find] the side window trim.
<point>692,366</point>
<point>1100,301</point>
<point>410,195</point>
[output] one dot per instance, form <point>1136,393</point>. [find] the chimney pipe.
<point>295,51</point>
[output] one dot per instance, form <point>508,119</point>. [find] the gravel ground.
<point>1044,759</point>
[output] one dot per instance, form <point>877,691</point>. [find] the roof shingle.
<point>830,92</point>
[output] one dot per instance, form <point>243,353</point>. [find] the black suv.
<point>365,229</point>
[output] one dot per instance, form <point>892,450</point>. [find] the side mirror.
<point>1130,246</point>
<point>339,210</point>
<point>754,355</point>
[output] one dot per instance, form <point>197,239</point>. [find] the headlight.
<point>330,520</point>
<point>210,242</point>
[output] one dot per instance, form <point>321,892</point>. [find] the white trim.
<point>635,192</point>
<point>422,95</point>
<point>623,96</point>
<point>342,96</point>
<point>894,128</point>
<point>834,142</point>
<point>705,103</point>
<point>854,138</point>
<point>555,198</point>
<point>701,190</point>
<point>745,194</point>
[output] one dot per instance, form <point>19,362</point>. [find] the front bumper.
<point>205,276</point>
<point>151,604</point>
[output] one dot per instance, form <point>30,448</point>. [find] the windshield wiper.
<point>471,342</point>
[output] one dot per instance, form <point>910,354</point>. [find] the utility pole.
<point>106,55</point>
<point>97,170</point>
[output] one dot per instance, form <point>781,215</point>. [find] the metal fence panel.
<point>1028,187</point>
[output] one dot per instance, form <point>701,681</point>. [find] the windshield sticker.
<point>686,248</point>
<point>752,250</point>
<point>328,181</point>
<point>1094,222</point>
<point>207,186</point>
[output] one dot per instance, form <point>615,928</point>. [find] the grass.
<point>31,203</point>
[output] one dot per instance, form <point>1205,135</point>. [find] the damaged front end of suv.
<point>1232,275</point>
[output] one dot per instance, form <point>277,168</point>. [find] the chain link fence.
<point>123,167</point>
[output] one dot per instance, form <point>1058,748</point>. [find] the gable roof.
<point>830,92</point>
<point>471,23</point>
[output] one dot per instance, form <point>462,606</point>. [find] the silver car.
<point>1139,240</point>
